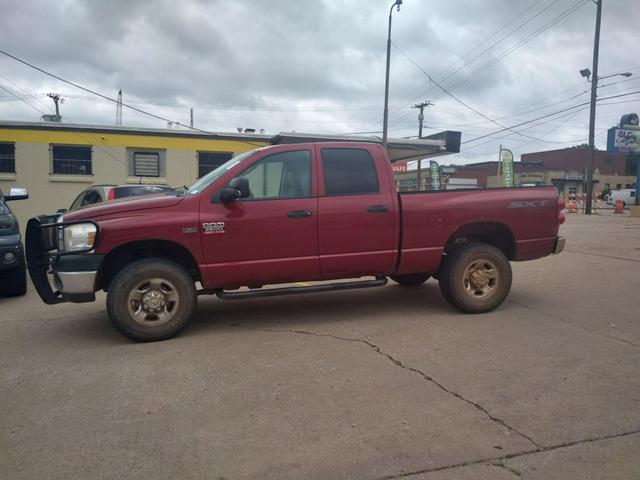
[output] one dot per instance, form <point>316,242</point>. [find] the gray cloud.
<point>318,65</point>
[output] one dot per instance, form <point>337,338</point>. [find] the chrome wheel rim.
<point>153,302</point>
<point>480,279</point>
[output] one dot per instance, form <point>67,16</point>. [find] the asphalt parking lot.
<point>371,384</point>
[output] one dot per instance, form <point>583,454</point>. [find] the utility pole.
<point>119,108</point>
<point>592,112</point>
<point>420,124</point>
<point>56,98</point>
<point>191,121</point>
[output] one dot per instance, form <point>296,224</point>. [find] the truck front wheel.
<point>151,299</point>
<point>476,278</point>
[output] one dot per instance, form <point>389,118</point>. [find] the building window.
<point>209,161</point>
<point>7,158</point>
<point>348,171</point>
<point>71,160</point>
<point>146,163</point>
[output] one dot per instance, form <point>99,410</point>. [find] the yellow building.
<point>56,161</point>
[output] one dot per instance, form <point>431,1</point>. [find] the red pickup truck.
<point>283,214</point>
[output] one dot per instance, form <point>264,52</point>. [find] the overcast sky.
<point>318,65</point>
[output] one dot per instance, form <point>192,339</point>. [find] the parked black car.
<point>13,275</point>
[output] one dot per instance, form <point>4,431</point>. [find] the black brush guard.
<point>41,248</point>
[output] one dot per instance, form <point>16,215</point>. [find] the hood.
<point>127,204</point>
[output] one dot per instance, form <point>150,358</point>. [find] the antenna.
<point>56,99</point>
<point>119,108</point>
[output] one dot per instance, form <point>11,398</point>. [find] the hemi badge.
<point>190,230</point>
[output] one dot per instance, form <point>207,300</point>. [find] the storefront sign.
<point>623,140</point>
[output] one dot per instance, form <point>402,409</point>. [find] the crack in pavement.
<point>398,363</point>
<point>560,319</point>
<point>501,464</point>
<point>498,461</point>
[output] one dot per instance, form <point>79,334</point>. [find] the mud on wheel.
<point>476,278</point>
<point>151,299</point>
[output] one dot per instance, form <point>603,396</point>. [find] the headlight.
<point>77,237</point>
<point>7,222</point>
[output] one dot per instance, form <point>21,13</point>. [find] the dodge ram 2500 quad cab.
<point>283,214</point>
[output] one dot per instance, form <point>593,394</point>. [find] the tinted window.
<point>348,171</point>
<point>71,160</point>
<point>282,175</point>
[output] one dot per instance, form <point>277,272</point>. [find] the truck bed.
<point>430,219</point>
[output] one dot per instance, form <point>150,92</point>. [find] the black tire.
<point>476,278</point>
<point>411,279</point>
<point>160,310</point>
<point>13,283</point>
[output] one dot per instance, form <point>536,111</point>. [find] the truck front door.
<point>271,236</point>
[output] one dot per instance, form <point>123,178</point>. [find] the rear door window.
<point>349,171</point>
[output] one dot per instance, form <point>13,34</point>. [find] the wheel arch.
<point>126,253</point>
<point>492,233</point>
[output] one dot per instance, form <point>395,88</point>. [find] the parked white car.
<point>627,195</point>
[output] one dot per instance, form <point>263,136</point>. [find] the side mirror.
<point>61,211</point>
<point>229,194</point>
<point>17,194</point>
<point>242,185</point>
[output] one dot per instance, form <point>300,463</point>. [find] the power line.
<point>522,42</point>
<point>455,97</point>
<point>139,110</point>
<point>546,116</point>
<point>449,75</point>
<point>22,100</point>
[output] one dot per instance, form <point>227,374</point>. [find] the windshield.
<point>213,175</point>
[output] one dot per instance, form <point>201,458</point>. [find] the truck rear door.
<point>358,217</point>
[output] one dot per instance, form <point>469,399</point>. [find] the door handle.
<point>299,213</point>
<point>378,208</point>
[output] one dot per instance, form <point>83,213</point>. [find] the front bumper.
<point>73,275</point>
<point>559,246</point>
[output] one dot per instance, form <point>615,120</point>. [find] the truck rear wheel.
<point>13,283</point>
<point>476,278</point>
<point>151,299</point>
<point>411,279</point>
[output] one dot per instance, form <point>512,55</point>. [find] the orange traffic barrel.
<point>619,206</point>
<point>571,207</point>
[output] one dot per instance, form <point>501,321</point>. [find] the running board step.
<point>273,292</point>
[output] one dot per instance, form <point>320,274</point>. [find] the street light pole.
<point>592,112</point>
<point>385,121</point>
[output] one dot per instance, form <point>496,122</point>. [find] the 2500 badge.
<point>213,227</point>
